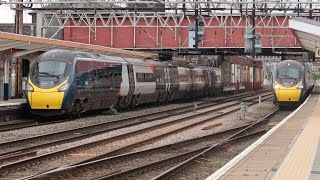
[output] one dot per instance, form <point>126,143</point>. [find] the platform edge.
<point>220,172</point>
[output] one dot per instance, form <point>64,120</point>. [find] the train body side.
<point>91,82</point>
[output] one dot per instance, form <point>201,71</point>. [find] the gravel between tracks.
<point>32,131</point>
<point>206,166</point>
<point>85,121</point>
<point>24,171</point>
<point>130,129</point>
<point>232,120</point>
<point>228,121</point>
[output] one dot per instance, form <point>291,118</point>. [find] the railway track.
<point>33,123</point>
<point>17,125</point>
<point>26,124</point>
<point>154,161</point>
<point>63,156</point>
<point>50,139</point>
<point>252,130</point>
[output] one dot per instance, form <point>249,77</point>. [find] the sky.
<point>7,15</point>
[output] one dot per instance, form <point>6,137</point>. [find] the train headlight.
<point>300,86</point>
<point>276,86</point>
<point>64,87</point>
<point>29,87</point>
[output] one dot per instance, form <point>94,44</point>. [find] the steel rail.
<point>17,125</point>
<point>100,128</point>
<point>26,124</point>
<point>189,157</point>
<point>112,139</point>
<point>179,167</point>
<point>73,169</point>
<point>181,157</point>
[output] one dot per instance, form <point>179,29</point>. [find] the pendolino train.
<point>72,82</point>
<point>291,82</point>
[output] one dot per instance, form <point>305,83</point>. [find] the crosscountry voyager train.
<point>72,82</point>
<point>292,81</point>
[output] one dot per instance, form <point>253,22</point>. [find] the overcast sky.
<point>7,15</point>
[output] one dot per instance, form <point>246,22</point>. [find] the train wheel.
<point>69,116</point>
<point>133,103</point>
<point>78,110</point>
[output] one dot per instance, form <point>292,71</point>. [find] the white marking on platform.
<point>220,172</point>
<point>12,104</point>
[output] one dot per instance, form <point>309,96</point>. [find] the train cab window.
<point>52,68</point>
<point>288,73</point>
<point>48,74</point>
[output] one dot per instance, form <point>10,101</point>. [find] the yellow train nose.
<point>288,95</point>
<point>46,100</point>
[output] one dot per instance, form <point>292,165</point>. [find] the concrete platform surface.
<point>13,102</point>
<point>288,151</point>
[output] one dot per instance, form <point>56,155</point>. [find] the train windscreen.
<point>48,74</point>
<point>51,68</point>
<point>288,76</point>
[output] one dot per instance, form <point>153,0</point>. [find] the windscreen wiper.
<point>287,76</point>
<point>48,74</point>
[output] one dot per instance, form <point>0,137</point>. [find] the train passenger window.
<point>100,75</point>
<point>83,73</point>
<point>116,76</point>
<point>93,74</point>
<point>83,79</point>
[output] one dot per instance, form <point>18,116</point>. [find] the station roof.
<point>21,45</point>
<point>307,32</point>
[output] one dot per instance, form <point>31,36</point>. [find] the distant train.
<point>291,82</point>
<point>72,82</point>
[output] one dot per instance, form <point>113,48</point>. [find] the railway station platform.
<point>12,102</point>
<point>290,150</point>
<point>12,108</point>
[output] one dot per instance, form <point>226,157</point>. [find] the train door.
<point>209,78</point>
<point>83,83</point>
<point>167,78</point>
<point>96,92</point>
<point>131,82</point>
<point>83,79</point>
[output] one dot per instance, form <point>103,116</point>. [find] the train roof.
<point>286,63</point>
<point>69,55</point>
<point>58,54</point>
<point>142,61</point>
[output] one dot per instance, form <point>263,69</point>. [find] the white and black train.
<point>71,82</point>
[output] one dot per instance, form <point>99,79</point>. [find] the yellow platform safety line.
<point>299,162</point>
<point>46,98</point>
<point>288,94</point>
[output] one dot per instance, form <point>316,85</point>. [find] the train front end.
<point>47,86</point>
<point>288,83</point>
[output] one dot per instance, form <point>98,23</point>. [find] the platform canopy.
<point>21,45</point>
<point>307,32</point>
